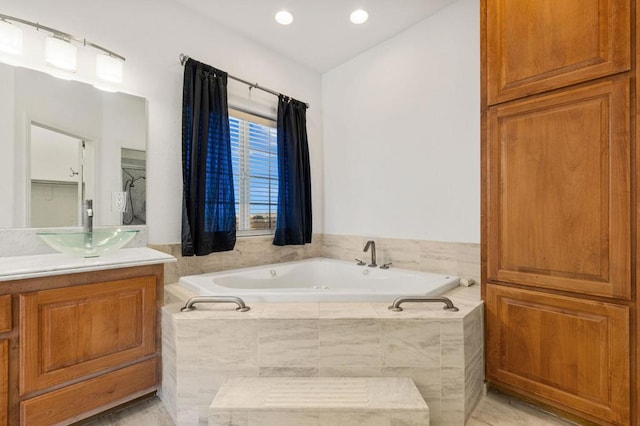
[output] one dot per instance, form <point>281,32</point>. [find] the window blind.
<point>254,155</point>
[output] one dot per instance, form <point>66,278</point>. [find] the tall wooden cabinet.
<point>558,223</point>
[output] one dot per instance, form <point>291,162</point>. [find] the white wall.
<point>7,101</point>
<point>151,34</point>
<point>401,134</point>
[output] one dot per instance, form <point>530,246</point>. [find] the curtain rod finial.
<point>183,58</point>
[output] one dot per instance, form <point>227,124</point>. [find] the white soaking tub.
<point>319,280</point>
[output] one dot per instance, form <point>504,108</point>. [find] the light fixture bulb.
<point>10,38</point>
<point>109,68</point>
<point>284,17</point>
<point>61,54</point>
<point>359,16</point>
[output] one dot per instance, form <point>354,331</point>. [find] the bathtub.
<point>319,280</point>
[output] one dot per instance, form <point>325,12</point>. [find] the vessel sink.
<point>88,244</point>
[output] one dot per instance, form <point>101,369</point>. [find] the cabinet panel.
<point>538,45</point>
<point>68,333</point>
<point>573,353</point>
<point>4,381</point>
<point>86,398</point>
<point>559,191</point>
<point>5,313</point>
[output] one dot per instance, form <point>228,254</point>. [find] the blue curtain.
<point>293,224</point>
<point>208,204</point>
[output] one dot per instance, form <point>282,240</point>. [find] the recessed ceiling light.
<point>359,16</point>
<point>284,17</point>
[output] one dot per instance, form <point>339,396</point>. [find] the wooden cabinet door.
<point>559,191</point>
<point>5,313</point>
<point>4,381</point>
<point>73,332</point>
<point>538,45</point>
<point>5,327</point>
<point>572,353</point>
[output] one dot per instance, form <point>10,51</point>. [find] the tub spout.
<point>371,244</point>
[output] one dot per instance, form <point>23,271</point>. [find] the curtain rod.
<point>183,60</point>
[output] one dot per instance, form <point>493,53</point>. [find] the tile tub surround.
<point>460,259</point>
<point>292,401</point>
<point>441,351</point>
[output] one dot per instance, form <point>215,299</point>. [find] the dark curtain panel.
<point>208,204</point>
<point>293,224</point>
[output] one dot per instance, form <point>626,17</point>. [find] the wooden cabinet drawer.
<point>68,333</point>
<point>569,352</point>
<point>534,46</point>
<point>83,399</point>
<point>5,313</point>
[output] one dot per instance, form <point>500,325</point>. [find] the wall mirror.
<point>65,141</point>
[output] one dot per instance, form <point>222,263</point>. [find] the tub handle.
<point>189,306</point>
<point>395,307</point>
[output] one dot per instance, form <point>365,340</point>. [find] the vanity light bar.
<point>114,65</point>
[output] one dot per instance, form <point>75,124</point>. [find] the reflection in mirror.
<point>57,177</point>
<point>35,104</point>
<point>134,186</point>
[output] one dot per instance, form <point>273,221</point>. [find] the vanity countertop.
<point>40,265</point>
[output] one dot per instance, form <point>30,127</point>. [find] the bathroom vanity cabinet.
<point>559,173</point>
<point>5,329</point>
<point>78,344</point>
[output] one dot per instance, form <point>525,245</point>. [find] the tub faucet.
<point>371,244</point>
<point>87,216</point>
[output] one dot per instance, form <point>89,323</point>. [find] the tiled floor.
<point>494,409</point>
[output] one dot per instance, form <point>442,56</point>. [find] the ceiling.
<point>321,35</point>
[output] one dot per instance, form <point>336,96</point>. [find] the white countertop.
<point>40,265</point>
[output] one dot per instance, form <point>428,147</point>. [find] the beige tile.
<point>229,344</point>
<point>289,372</point>
<point>343,247</point>
<point>290,311</point>
<point>474,382</point>
<point>409,419</point>
<point>339,371</point>
<point>410,343</point>
<point>471,294</point>
<point>427,380</point>
<point>281,345</point>
<point>349,343</point>
<point>277,418</point>
<point>404,254</point>
<point>473,329</point>
<point>346,310</point>
<point>438,257</point>
<point>227,418</point>
<point>452,341</point>
<point>496,409</point>
<point>354,419</point>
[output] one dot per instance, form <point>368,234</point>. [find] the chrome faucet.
<point>87,216</point>
<point>371,244</point>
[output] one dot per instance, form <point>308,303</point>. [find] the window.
<point>254,154</point>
